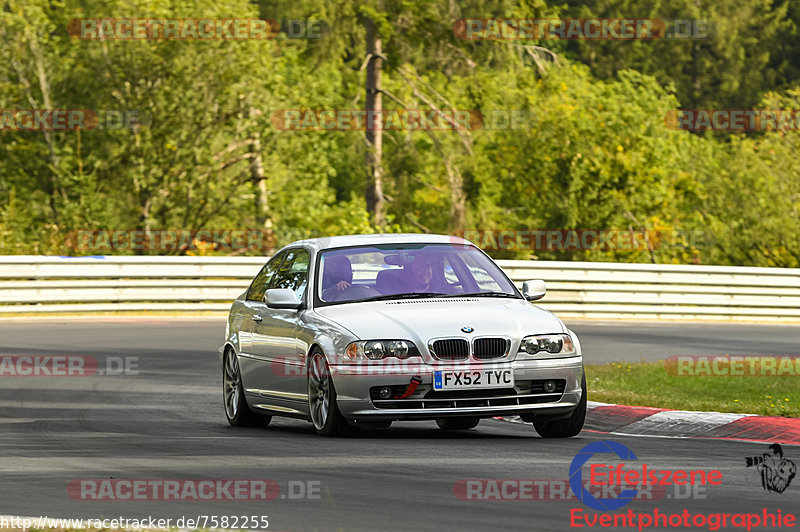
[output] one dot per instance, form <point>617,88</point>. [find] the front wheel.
<point>236,409</point>
<point>322,406</point>
<point>569,427</point>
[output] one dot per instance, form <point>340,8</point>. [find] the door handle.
<point>257,318</point>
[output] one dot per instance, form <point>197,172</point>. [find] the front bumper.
<point>353,385</point>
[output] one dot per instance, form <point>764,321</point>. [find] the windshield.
<point>409,271</point>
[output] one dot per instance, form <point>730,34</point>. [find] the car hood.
<point>420,320</point>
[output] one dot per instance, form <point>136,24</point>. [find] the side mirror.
<point>282,298</point>
<point>533,290</point>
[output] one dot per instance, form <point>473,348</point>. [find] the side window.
<point>293,273</point>
<point>264,277</point>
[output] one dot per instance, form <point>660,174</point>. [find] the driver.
<point>420,275</point>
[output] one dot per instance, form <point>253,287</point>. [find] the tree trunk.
<point>259,180</point>
<point>374,131</point>
<point>458,199</point>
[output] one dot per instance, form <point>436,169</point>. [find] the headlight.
<point>379,350</point>
<point>374,350</point>
<point>397,348</point>
<point>548,343</point>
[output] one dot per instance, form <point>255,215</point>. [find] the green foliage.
<point>589,148</point>
<point>753,202</point>
<point>741,48</point>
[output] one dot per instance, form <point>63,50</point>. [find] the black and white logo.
<point>776,471</point>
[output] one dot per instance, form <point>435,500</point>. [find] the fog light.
<point>384,392</point>
<point>549,386</point>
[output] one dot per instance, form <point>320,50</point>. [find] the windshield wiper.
<point>404,295</point>
<point>484,294</point>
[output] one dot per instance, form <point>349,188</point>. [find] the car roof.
<point>343,241</point>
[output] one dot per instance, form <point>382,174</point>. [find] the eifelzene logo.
<point>632,478</point>
<point>776,471</point>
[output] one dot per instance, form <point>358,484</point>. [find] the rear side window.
<point>264,277</point>
<point>293,272</point>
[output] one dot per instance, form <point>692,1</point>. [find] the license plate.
<point>473,379</point>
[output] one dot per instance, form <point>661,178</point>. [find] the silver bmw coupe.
<point>358,331</point>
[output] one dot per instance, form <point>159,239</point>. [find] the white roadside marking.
<point>680,423</point>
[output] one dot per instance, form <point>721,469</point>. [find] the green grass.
<point>650,384</point>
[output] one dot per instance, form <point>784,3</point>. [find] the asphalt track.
<point>167,423</point>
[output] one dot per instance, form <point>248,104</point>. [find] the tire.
<point>569,427</point>
<point>458,423</point>
<point>322,405</point>
<point>236,409</point>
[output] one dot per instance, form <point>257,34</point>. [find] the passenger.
<point>337,277</point>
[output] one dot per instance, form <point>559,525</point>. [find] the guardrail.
<point>664,291</point>
<point>98,285</point>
